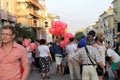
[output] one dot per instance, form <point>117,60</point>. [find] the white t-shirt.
<point>114,55</point>
<point>29,53</point>
<point>70,49</point>
<point>44,50</point>
<point>102,49</point>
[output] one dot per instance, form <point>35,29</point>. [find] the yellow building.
<point>7,12</point>
<point>28,13</point>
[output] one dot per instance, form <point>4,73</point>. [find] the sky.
<point>78,14</point>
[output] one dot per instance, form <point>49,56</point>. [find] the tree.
<point>79,35</point>
<point>24,32</point>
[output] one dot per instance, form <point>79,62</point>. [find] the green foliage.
<point>79,35</point>
<point>24,32</point>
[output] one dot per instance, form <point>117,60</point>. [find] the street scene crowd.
<point>80,59</point>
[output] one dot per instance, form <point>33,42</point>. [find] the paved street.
<point>34,75</point>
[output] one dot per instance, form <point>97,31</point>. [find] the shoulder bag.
<point>98,69</point>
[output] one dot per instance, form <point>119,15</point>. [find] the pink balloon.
<point>26,42</point>
<point>32,47</point>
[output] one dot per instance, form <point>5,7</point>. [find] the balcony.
<point>34,3</point>
<point>34,14</point>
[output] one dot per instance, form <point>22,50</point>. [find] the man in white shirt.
<point>71,48</point>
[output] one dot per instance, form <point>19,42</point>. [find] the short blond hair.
<point>107,46</point>
<point>99,34</point>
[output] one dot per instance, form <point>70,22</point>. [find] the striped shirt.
<point>82,55</point>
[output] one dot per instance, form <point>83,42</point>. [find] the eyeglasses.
<point>6,34</point>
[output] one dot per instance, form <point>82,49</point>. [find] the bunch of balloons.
<point>64,42</point>
<point>58,29</point>
<point>27,42</point>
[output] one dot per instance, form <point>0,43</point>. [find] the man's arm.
<point>26,71</point>
<point>76,57</point>
<point>25,65</point>
<point>101,65</point>
<point>111,60</point>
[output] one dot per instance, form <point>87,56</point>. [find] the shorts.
<point>114,66</point>
<point>58,59</point>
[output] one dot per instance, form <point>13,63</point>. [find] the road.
<point>35,75</point>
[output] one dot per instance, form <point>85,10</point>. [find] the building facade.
<point>116,8</point>
<point>107,25</point>
<point>28,13</point>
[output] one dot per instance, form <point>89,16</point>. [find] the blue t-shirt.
<point>56,49</point>
<point>82,43</point>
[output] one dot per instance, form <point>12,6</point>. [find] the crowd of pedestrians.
<point>79,59</point>
<point>75,57</point>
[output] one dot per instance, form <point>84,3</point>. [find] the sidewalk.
<point>34,75</point>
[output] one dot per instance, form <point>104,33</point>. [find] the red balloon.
<point>57,23</point>
<point>66,41</point>
<point>62,32</point>
<point>58,29</point>
<point>64,26</point>
<point>57,34</point>
<point>52,30</point>
<point>62,44</point>
<point>65,35</point>
<point>53,23</point>
<point>70,35</point>
<point>32,47</point>
<point>26,42</point>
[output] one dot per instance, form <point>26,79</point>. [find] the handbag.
<point>98,68</point>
